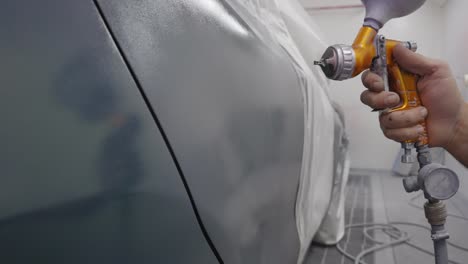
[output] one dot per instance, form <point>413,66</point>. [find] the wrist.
<point>458,146</point>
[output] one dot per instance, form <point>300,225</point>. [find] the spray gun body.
<point>375,52</point>
<point>372,51</point>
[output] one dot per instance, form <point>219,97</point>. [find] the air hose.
<point>396,236</point>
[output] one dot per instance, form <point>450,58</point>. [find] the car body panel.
<point>86,174</point>
<point>231,106</point>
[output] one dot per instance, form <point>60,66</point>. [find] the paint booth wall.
<point>369,149</point>
<point>455,45</point>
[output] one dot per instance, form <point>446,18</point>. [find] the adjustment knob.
<point>411,184</point>
<point>411,45</point>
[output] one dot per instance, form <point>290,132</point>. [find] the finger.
<point>372,81</point>
<point>402,119</point>
<point>380,100</point>
<point>413,62</point>
<point>403,134</point>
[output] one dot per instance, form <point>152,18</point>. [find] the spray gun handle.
<point>401,82</point>
<point>405,85</point>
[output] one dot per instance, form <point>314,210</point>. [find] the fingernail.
<point>391,100</point>
<point>420,129</point>
<point>378,85</point>
<point>424,112</point>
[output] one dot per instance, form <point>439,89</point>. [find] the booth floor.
<point>379,197</point>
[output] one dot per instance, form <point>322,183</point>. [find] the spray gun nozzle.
<point>320,63</point>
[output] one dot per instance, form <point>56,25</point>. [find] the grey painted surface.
<point>231,106</point>
<point>85,174</point>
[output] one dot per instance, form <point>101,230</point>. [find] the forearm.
<point>458,147</point>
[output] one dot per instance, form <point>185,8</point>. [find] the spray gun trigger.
<point>379,66</point>
<point>382,111</point>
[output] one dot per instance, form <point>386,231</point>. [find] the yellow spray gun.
<point>375,52</point>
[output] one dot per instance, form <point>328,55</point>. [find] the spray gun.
<point>375,52</point>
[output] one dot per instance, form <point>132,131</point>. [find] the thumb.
<point>413,62</point>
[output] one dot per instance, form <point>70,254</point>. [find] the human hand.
<point>443,103</point>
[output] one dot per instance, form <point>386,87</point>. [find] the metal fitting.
<point>440,235</point>
<point>411,45</point>
<point>411,184</point>
<point>436,213</point>
<point>424,159</point>
<point>407,156</point>
<point>424,155</point>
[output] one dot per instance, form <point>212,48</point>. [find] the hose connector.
<point>436,212</point>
